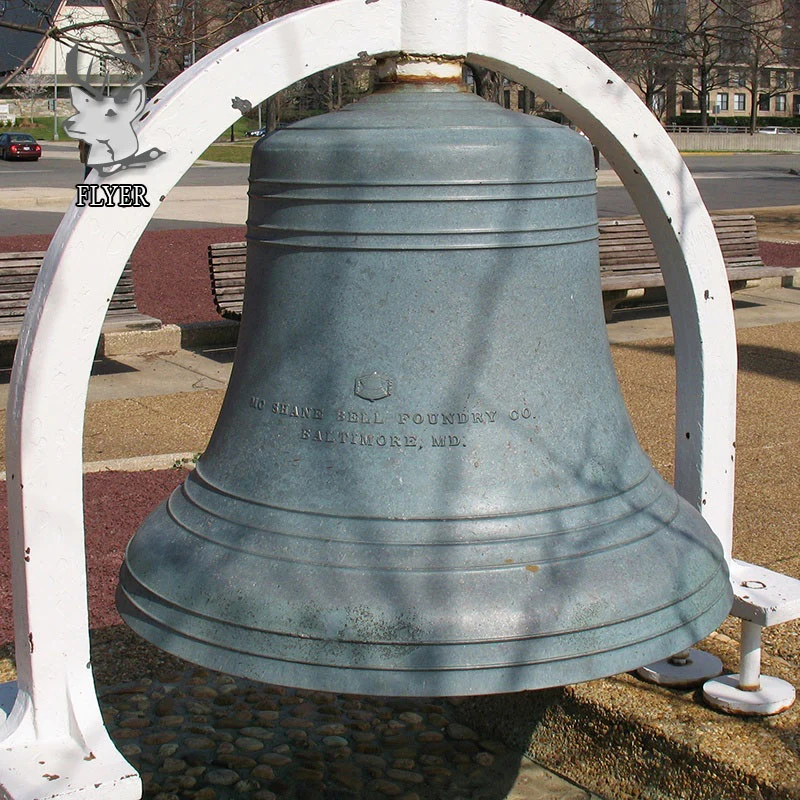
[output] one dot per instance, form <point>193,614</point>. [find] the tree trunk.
<point>702,97</point>
<point>488,84</point>
<point>273,112</point>
<point>753,98</point>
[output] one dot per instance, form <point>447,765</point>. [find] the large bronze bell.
<point>423,480</point>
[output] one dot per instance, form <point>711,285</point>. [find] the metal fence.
<point>770,130</point>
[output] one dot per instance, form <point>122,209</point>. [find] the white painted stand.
<point>748,692</point>
<point>762,598</point>
<point>683,670</point>
<point>55,727</point>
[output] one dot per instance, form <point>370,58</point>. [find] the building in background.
<point>699,62</point>
<point>41,80</point>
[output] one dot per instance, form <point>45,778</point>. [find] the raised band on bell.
<point>420,258</point>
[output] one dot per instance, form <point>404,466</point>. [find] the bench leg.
<point>748,692</point>
<point>611,299</point>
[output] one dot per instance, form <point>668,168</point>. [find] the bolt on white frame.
<point>53,743</point>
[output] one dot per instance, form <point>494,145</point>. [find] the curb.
<point>156,339</point>
<point>138,464</point>
<point>142,463</point>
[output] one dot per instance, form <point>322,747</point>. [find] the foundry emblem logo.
<point>104,118</point>
<point>373,386</point>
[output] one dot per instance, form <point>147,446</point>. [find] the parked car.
<point>19,145</point>
<point>774,130</point>
<point>265,131</point>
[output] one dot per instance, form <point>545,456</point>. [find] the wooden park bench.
<point>629,267</point>
<point>18,272</point>
<point>628,263</point>
<point>226,262</point>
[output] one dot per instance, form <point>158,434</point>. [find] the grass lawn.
<point>41,129</point>
<point>230,153</point>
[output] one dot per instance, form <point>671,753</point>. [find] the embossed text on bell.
<point>423,480</point>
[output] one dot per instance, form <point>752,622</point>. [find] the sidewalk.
<point>183,202</point>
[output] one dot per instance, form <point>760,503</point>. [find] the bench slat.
<point>18,273</point>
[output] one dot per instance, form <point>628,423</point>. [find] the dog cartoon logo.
<point>105,119</point>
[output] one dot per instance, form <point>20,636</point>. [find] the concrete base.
<point>85,764</point>
<point>131,340</point>
<point>139,340</point>
<point>64,770</point>
<point>623,299</point>
<point>615,297</point>
<point>119,338</point>
<point>221,333</point>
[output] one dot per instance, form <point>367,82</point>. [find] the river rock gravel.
<point>201,735</point>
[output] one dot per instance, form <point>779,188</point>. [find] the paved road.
<point>59,167</point>
<point>59,170</point>
<point>725,181</point>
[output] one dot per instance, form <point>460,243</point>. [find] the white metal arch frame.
<point>54,743</point>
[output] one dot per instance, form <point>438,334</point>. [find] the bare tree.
<point>101,39</point>
<point>488,83</point>
<point>644,47</point>
<point>28,88</point>
<point>766,49</point>
<point>654,44</point>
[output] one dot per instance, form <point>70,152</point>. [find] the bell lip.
<point>276,570</point>
<point>461,681</point>
<point>429,666</point>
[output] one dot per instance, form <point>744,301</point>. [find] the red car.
<point>19,145</point>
